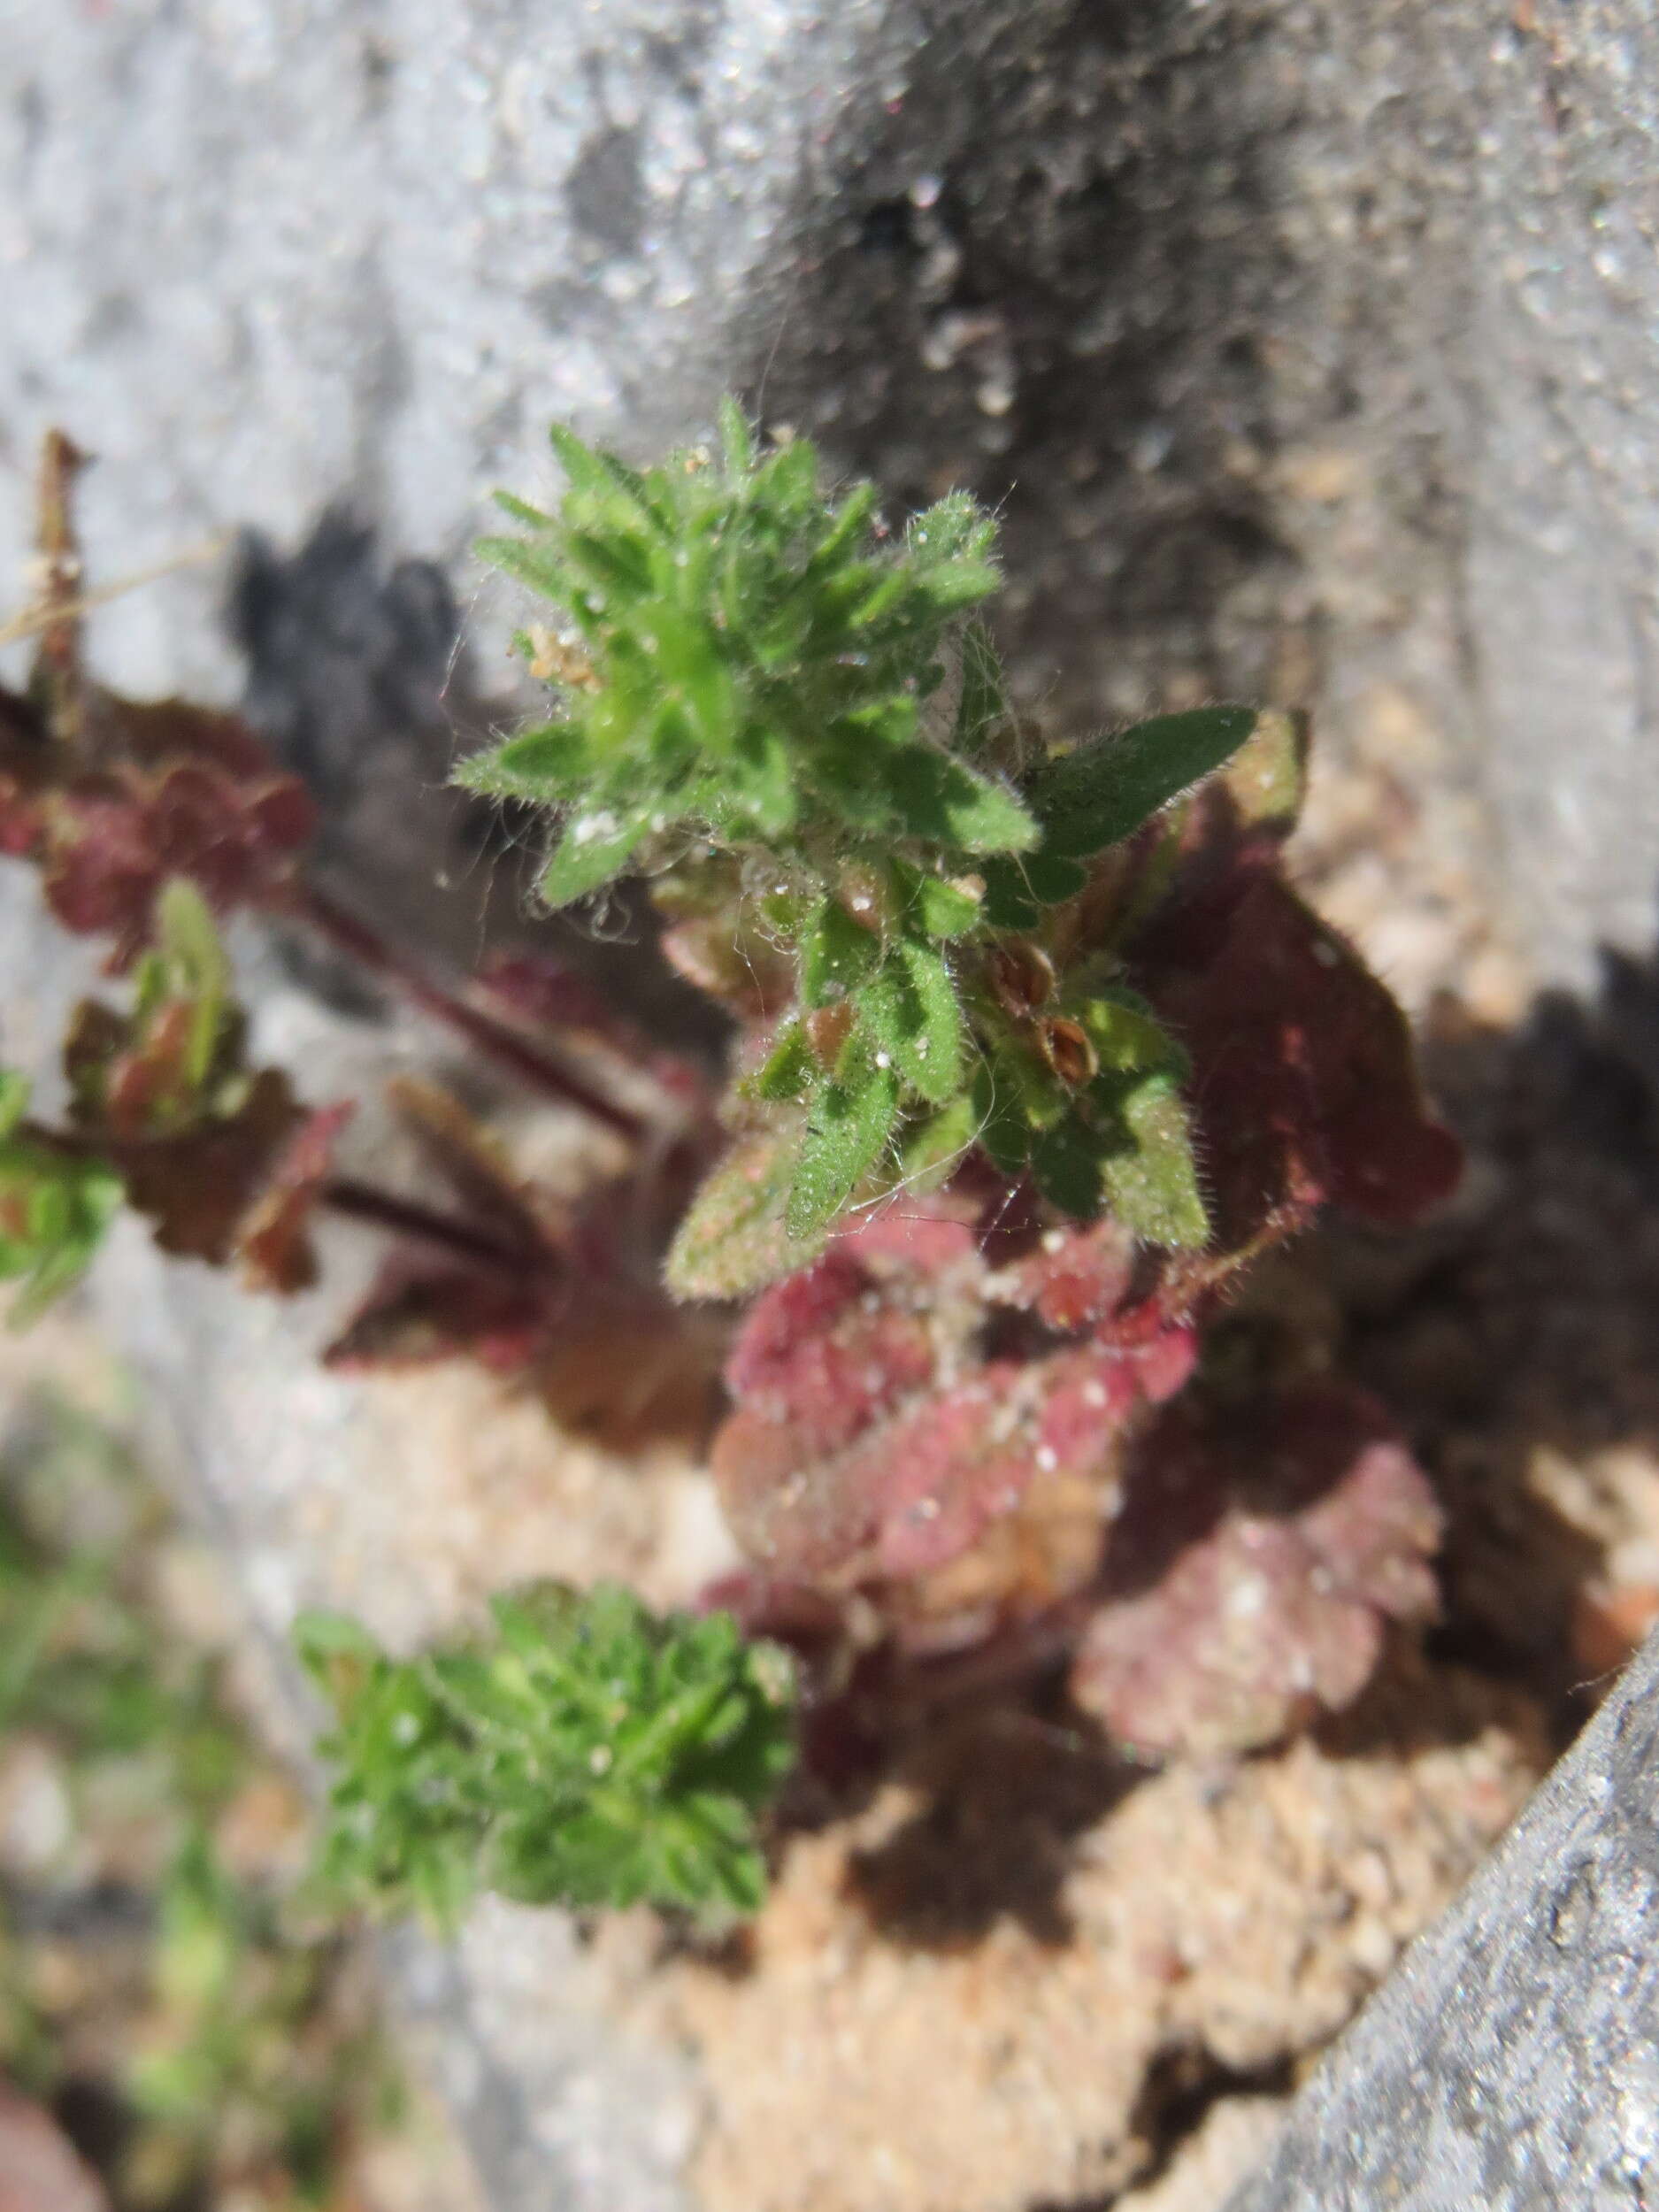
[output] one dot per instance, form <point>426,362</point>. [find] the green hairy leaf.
<point>951,806</point>
<point>1016,891</point>
<point>735,1239</point>
<point>982,711</point>
<point>1103,791</point>
<point>909,1011</point>
<point>941,909</point>
<point>544,763</point>
<point>935,1146</point>
<point>1119,1142</point>
<point>187,968</point>
<point>1152,1182</point>
<point>847,1131</point>
<point>587,1752</point>
<point>1067,1164</point>
<point>836,953</point>
<point>790,1070</point>
<point>595,844</point>
<point>1126,1037</point>
<point>1000,1126</point>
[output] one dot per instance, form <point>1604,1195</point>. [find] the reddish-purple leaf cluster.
<point>143,794</point>
<point>273,1243</point>
<point>1304,1084</point>
<point>951,1411</point>
<point>904,1398</point>
<point>1260,1549</point>
<point>420,1311</point>
<point>121,805</point>
<point>225,1161</point>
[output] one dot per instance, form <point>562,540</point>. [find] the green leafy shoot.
<point>173,1059</point>
<point>1097,1115</point>
<point>587,1753</point>
<point>184,979</point>
<point>54,1207</point>
<point>238,1994</point>
<point>80,1666</point>
<point>793,721</point>
<point>745,662</point>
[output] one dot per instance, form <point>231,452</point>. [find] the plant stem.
<point>408,1217</point>
<point>364,945</point>
<point>34,620</point>
<point>57,678</point>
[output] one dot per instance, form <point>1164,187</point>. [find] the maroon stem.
<point>364,945</point>
<point>356,1201</point>
<point>408,1217</point>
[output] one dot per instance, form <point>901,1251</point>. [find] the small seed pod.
<point>827,1031</point>
<point>864,895</point>
<point>1021,976</point>
<point>559,660</point>
<point>1068,1049</point>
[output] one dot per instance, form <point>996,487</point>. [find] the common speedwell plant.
<point>775,706</point>
<point>1034,1049</point>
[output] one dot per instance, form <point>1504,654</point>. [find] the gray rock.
<point>1319,346</point>
<point>1512,2059</point>
<point>1309,347</point>
<point>258,256</point>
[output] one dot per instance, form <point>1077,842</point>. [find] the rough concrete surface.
<point>258,253</point>
<point>1310,346</point>
<point>1320,345</point>
<point>1512,2061</point>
